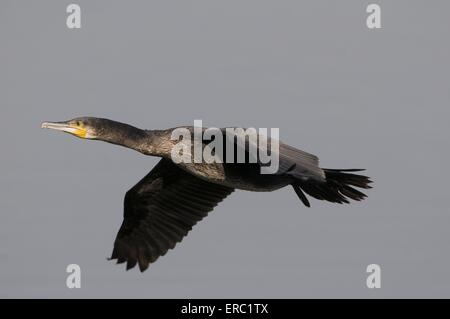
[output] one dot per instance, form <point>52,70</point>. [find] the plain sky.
<point>374,99</point>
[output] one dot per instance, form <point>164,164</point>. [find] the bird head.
<point>82,127</point>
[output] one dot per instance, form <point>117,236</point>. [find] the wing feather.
<point>160,210</point>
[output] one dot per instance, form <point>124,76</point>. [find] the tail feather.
<point>339,186</point>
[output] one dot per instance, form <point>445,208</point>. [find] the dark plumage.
<point>164,206</point>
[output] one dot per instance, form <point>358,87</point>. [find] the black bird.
<point>164,206</point>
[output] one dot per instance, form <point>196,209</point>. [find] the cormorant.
<point>164,206</point>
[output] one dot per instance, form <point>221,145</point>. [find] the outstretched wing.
<point>160,210</point>
<point>299,164</point>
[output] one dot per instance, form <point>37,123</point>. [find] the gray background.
<point>377,99</point>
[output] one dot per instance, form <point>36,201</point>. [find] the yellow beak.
<point>65,127</point>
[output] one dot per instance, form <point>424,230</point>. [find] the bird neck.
<point>131,137</point>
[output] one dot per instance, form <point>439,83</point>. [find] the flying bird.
<point>163,207</point>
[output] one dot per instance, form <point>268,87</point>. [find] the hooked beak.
<point>65,127</point>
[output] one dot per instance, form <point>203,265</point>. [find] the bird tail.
<point>338,187</point>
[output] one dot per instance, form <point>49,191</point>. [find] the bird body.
<point>163,207</point>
